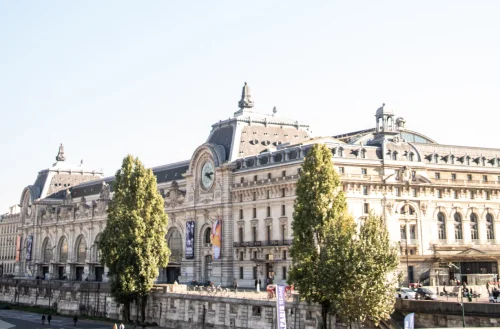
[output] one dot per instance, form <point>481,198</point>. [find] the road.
<point>26,320</point>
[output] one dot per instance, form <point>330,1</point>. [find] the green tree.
<point>133,243</point>
<point>373,264</point>
<point>322,232</point>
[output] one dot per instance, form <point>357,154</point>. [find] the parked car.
<point>427,294</point>
<point>405,293</point>
<point>495,297</point>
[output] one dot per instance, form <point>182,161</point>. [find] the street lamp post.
<point>406,251</point>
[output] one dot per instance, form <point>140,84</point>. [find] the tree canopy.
<point>133,243</point>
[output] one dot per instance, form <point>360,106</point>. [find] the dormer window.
<point>394,155</point>
<point>411,156</point>
<point>340,152</point>
<point>436,158</point>
<point>363,153</point>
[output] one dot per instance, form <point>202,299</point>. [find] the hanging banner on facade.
<point>280,306</point>
<point>410,321</point>
<point>216,238</point>
<point>29,247</point>
<point>18,248</point>
<point>190,240</point>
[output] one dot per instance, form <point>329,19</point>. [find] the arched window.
<point>490,231</point>
<point>208,232</point>
<point>175,245</point>
<point>411,156</point>
<point>341,152</point>
<point>394,155</point>
<point>47,250</point>
<point>473,227</point>
<point>81,250</point>
<point>441,226</point>
<point>458,226</point>
<point>63,250</point>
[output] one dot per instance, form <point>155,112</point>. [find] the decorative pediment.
<point>174,196</point>
<point>105,193</point>
<point>472,251</point>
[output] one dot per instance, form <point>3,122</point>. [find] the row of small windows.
<point>457,222</point>
<point>269,236</point>
<point>469,177</point>
<point>438,193</point>
<point>269,176</point>
<point>394,155</point>
<point>255,277</point>
<point>268,212</point>
<point>268,195</point>
<point>465,160</point>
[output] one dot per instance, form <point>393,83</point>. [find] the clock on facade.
<point>207,175</point>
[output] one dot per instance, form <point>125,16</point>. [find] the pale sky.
<point>108,78</point>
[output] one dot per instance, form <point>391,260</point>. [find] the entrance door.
<point>79,273</point>
<point>45,271</point>
<point>207,273</point>
<point>62,272</point>
<point>99,271</point>
<point>173,274</point>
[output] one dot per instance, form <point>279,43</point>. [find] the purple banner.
<point>280,306</point>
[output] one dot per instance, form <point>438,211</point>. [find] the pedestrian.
<point>75,320</point>
<point>43,320</point>
<point>488,287</point>
<point>122,326</point>
<point>258,286</point>
<point>114,326</point>
<point>49,318</point>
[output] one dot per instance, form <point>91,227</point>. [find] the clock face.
<point>207,175</point>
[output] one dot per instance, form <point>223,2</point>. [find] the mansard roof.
<point>363,136</point>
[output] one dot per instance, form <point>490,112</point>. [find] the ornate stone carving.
<point>254,222</point>
<point>268,221</point>
<point>389,207</point>
<point>66,212</point>
<point>400,123</point>
<point>105,193</point>
<point>83,209</point>
<point>405,174</point>
<point>283,220</point>
<point>67,197</point>
<point>423,208</point>
<point>241,223</point>
<point>174,196</point>
<point>173,218</point>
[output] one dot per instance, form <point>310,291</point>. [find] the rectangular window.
<point>269,194</point>
<point>402,230</point>
<point>268,212</point>
<point>241,213</point>
<point>255,178</point>
<point>439,194</point>
<point>269,234</point>
<point>366,208</point>
<point>240,233</point>
<point>284,254</point>
<point>472,195</point>
<point>241,255</point>
<point>283,231</point>
<point>254,255</point>
<point>254,233</point>
<point>242,180</point>
<point>485,178</point>
<point>455,195</point>
<point>241,273</point>
<point>255,273</point>
<point>269,175</point>
<point>241,197</point>
<point>437,175</point>
<point>412,232</point>
<point>453,176</point>
<point>283,173</point>
<point>363,171</point>
<point>341,170</point>
<point>469,177</point>
<point>414,192</point>
<point>365,190</point>
<point>397,191</point>
<point>284,273</point>
<point>283,210</point>
<point>254,212</point>
<point>254,196</point>
<point>283,192</point>
<point>488,197</point>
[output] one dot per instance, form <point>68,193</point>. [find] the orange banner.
<point>18,248</point>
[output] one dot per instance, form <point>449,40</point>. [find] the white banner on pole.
<point>410,321</point>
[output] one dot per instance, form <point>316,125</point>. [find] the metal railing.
<point>285,242</point>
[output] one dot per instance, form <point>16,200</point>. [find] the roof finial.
<point>274,110</point>
<point>245,101</point>
<point>60,155</point>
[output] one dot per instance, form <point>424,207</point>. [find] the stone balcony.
<point>267,243</point>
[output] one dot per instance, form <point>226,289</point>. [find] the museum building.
<point>230,205</point>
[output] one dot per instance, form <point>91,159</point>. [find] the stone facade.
<point>440,202</point>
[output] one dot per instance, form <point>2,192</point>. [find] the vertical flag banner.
<point>216,238</point>
<point>29,247</point>
<point>18,248</point>
<point>410,321</point>
<point>190,240</point>
<point>280,306</point>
